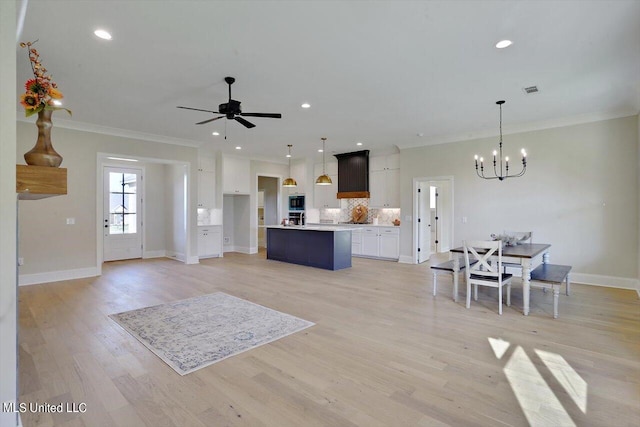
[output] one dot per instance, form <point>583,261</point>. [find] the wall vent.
<point>531,89</point>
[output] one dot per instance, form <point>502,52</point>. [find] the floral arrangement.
<point>41,91</point>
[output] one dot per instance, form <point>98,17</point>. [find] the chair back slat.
<point>482,251</point>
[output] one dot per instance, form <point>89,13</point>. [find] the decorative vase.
<point>43,154</point>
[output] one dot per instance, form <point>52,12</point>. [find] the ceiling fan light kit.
<point>232,111</point>
<point>503,172</point>
<point>323,179</point>
<point>289,182</point>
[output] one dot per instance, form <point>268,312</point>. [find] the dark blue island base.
<point>321,247</point>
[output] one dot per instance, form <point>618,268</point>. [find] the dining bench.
<point>551,276</point>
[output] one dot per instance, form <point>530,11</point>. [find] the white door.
<point>122,222</point>
<point>424,223</point>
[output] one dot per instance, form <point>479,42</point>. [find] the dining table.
<point>526,255</point>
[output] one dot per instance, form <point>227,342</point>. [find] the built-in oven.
<point>296,203</point>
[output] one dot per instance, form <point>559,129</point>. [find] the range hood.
<point>353,175</point>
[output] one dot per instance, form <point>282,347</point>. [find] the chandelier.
<point>501,173</point>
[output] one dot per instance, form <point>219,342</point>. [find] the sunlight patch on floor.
<point>539,403</point>
<point>572,382</point>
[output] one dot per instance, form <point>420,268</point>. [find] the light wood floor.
<point>383,352</point>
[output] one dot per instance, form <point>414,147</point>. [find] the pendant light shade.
<point>289,182</point>
<point>324,178</point>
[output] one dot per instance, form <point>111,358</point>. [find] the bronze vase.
<point>43,154</point>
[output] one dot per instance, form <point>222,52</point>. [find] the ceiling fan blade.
<point>245,122</point>
<point>198,109</point>
<point>270,115</point>
<point>210,120</point>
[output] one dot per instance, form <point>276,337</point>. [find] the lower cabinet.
<point>380,242</point>
<point>209,241</point>
<point>356,242</point>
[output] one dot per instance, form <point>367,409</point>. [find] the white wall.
<point>580,194</point>
<point>175,225</point>
<point>46,242</point>
<point>154,209</point>
<point>8,294</point>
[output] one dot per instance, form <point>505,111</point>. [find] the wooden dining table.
<point>526,255</point>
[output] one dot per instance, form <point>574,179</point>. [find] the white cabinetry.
<point>209,241</point>
<point>380,242</point>
<point>299,173</point>
<point>236,175</point>
<point>325,196</point>
<point>206,183</point>
<point>356,242</point>
<point>384,181</point>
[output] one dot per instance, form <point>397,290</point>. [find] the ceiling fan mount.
<point>232,111</point>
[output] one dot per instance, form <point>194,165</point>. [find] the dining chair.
<point>484,272</point>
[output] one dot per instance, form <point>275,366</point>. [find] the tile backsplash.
<point>385,216</point>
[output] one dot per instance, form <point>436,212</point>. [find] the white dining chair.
<point>485,272</point>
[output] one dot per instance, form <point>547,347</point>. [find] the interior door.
<point>424,223</point>
<point>122,223</point>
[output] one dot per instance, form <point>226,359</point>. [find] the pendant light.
<point>289,182</point>
<point>324,178</point>
<point>503,173</point>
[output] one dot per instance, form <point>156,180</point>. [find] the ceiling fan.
<point>231,110</point>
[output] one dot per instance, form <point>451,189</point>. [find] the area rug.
<point>197,332</point>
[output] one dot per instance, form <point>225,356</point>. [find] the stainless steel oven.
<point>296,203</point>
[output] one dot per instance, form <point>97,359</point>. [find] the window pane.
<point>130,224</point>
<point>115,223</point>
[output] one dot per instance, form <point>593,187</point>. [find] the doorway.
<point>122,219</point>
<point>433,213</point>
<point>268,196</point>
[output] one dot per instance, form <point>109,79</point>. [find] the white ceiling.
<point>379,72</point>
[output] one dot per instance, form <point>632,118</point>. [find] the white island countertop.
<point>350,225</point>
<point>310,227</point>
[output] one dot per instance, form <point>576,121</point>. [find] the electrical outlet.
<point>227,240</point>
<point>71,221</point>
<point>464,219</point>
<point>20,261</point>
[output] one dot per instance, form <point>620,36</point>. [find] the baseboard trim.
<point>404,259</point>
<point>605,281</point>
<point>176,255</point>
<point>56,276</point>
<point>154,254</point>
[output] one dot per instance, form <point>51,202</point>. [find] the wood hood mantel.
<point>353,175</point>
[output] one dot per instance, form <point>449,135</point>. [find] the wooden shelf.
<point>38,182</point>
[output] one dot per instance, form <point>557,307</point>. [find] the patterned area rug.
<point>197,332</point>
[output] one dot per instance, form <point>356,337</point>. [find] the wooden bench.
<point>446,267</point>
<point>551,276</point>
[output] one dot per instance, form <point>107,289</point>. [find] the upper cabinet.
<point>384,181</point>
<point>206,183</point>
<point>236,175</point>
<point>326,196</point>
<point>299,173</point>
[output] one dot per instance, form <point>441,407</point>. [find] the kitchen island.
<point>321,247</point>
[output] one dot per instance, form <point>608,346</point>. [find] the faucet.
<point>301,218</point>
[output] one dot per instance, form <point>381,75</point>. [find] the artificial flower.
<point>40,90</point>
<point>30,101</point>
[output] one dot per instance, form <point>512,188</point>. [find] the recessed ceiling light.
<point>57,103</point>
<point>358,143</point>
<point>503,43</point>
<point>215,133</point>
<point>238,148</point>
<point>306,105</point>
<point>420,134</point>
<point>288,155</point>
<point>319,150</point>
<point>102,34</point>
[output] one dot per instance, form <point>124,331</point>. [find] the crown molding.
<point>124,133</point>
<point>520,128</point>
